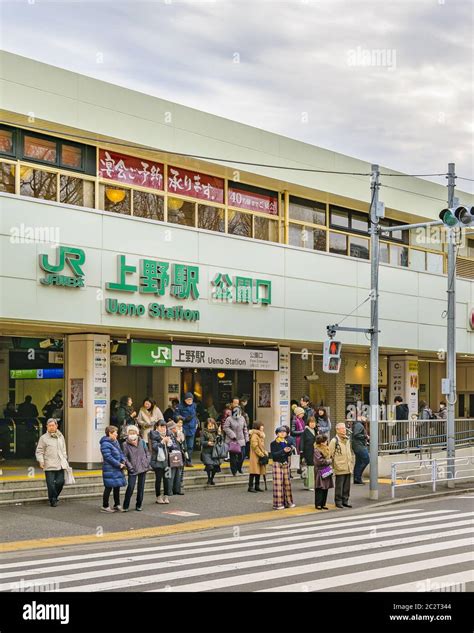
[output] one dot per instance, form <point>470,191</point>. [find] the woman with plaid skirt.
<point>281,451</point>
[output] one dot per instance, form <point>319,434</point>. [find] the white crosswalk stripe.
<point>297,558</point>
<point>443,583</point>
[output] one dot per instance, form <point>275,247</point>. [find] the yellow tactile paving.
<point>165,530</point>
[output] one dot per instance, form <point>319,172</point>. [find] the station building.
<point>138,256</point>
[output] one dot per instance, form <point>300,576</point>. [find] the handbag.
<point>176,459</point>
<point>161,454</point>
<point>325,472</point>
<point>263,460</point>
<point>219,450</point>
<point>234,447</point>
<point>69,476</point>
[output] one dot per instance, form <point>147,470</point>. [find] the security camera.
<point>312,377</point>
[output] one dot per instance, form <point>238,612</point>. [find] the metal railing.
<point>422,471</point>
<point>407,436</point>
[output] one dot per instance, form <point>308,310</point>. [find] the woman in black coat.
<point>307,452</point>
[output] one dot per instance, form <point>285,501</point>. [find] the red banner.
<point>130,170</point>
<point>264,203</point>
<point>194,184</point>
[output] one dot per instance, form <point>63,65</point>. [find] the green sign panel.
<point>150,354</point>
<point>22,374</point>
<point>74,258</point>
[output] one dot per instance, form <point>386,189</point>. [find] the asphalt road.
<point>415,546</point>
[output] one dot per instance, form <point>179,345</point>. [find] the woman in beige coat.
<point>257,450</point>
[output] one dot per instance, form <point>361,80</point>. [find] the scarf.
<point>324,450</point>
<point>282,440</point>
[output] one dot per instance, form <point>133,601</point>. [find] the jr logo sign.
<point>74,258</point>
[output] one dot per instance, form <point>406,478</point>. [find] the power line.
<point>415,193</point>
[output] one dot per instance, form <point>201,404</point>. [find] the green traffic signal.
<point>448,218</point>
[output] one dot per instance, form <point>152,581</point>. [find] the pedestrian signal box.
<point>332,356</point>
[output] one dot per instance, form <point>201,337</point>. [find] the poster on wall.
<point>284,384</point>
<point>264,395</point>
<point>173,388</point>
<point>77,393</point>
<point>101,378</point>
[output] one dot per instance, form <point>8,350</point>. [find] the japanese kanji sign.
<point>195,184</point>
<point>130,170</point>
<point>241,289</point>
<point>223,357</point>
<point>262,202</point>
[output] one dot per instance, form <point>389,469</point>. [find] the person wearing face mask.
<point>236,436</point>
<point>442,413</point>
<point>161,443</point>
<point>137,460</point>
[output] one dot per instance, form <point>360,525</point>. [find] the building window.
<point>116,199</point>
<point>181,212</point>
<point>76,191</point>
<point>40,149</point>
<point>338,243</point>
<point>6,141</point>
<point>148,205</point>
<point>211,218</point>
<point>398,255</point>
<point>265,229</point>
<point>240,223</point>
<point>470,248</point>
<point>307,211</point>
<point>71,156</point>
<point>7,177</point>
<point>417,260</point>
<point>359,247</point>
<point>38,184</point>
<point>434,263</point>
<point>340,219</point>
<point>397,236</point>
<point>360,222</point>
<point>384,254</point>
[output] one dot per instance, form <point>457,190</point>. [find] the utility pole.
<point>374,335</point>
<point>451,342</point>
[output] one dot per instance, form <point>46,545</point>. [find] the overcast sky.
<point>390,82</point>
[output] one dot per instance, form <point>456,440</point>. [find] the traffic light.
<point>457,216</point>
<point>332,356</point>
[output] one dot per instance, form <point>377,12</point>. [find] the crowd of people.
<point>137,442</point>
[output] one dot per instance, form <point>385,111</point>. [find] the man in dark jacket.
<point>359,447</point>
<point>308,409</point>
<point>27,409</point>
<point>401,409</point>
<point>187,410</point>
<point>402,413</point>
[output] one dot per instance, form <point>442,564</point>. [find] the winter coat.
<point>155,440</point>
<point>402,412</point>
<point>307,445</point>
<point>51,451</point>
<point>297,430</point>
<point>124,419</point>
<point>112,455</point>
<point>323,426</point>
<point>321,462</point>
<point>137,458</point>
<point>206,450</point>
<point>359,437</point>
<point>257,449</point>
<point>27,410</point>
<point>425,414</point>
<point>189,414</point>
<point>341,453</point>
<point>236,429</point>
<point>278,454</point>
<point>146,419</point>
<point>308,413</point>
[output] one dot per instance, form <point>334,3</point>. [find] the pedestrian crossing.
<point>395,550</point>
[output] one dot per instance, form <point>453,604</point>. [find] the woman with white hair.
<point>137,460</point>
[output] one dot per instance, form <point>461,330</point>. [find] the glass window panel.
<point>116,199</point>
<point>240,223</point>
<point>38,184</point>
<point>39,149</point>
<point>76,191</point>
<point>148,205</point>
<point>211,218</point>
<point>6,141</point>
<point>398,255</point>
<point>417,260</point>
<point>338,243</point>
<point>384,255</point>
<point>313,212</point>
<point>181,212</point>
<point>340,218</point>
<point>470,248</point>
<point>359,247</point>
<point>265,229</point>
<point>298,236</point>
<point>434,263</point>
<point>7,178</point>
<point>71,156</point>
<point>360,223</point>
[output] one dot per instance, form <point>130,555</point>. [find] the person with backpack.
<point>137,460</point>
<point>258,457</point>
<point>359,442</point>
<point>340,451</point>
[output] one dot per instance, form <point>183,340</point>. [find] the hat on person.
<point>298,411</point>
<point>188,395</point>
<point>171,425</point>
<point>161,423</point>
<point>279,429</point>
<point>132,428</point>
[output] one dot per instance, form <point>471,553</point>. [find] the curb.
<point>433,495</point>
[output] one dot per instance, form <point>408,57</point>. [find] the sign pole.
<point>451,341</point>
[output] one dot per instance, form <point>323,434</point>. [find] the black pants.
<point>342,489</point>
<point>106,497</point>
<point>320,497</point>
<point>211,472</point>
<point>132,480</point>
<point>257,481</point>
<point>55,483</point>
<point>236,461</point>
<point>160,476</point>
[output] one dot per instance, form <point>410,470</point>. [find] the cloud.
<point>287,67</point>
